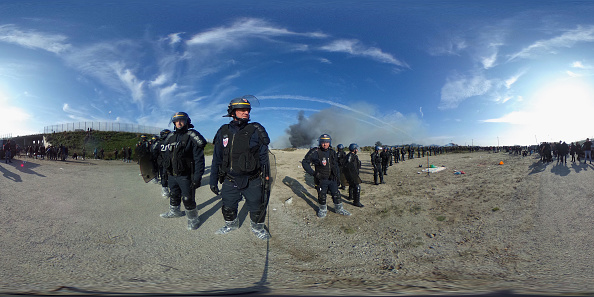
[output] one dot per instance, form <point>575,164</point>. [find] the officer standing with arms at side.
<point>326,174</point>
<point>160,151</point>
<point>240,162</point>
<point>184,162</point>
<point>341,162</point>
<point>385,155</point>
<point>351,171</point>
<point>376,162</point>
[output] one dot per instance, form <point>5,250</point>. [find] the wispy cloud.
<point>244,29</point>
<point>55,43</point>
<point>134,85</point>
<point>567,39</point>
<point>355,48</point>
<point>459,88</point>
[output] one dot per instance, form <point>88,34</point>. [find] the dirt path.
<point>94,226</point>
<point>562,240</point>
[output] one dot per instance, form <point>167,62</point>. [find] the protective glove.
<point>214,189</point>
<point>267,185</point>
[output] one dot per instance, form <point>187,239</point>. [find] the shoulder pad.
<point>197,137</point>
<point>262,133</point>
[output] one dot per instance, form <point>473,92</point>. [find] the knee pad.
<point>229,214</point>
<point>189,203</point>
<point>321,197</point>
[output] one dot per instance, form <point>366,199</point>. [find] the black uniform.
<point>325,172</point>
<point>376,162</point>
<point>160,155</point>
<point>239,161</point>
<point>385,155</point>
<point>341,162</point>
<point>184,163</point>
<point>351,169</point>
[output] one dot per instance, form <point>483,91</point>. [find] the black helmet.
<point>340,146</point>
<point>182,116</point>
<point>378,148</point>
<point>324,138</point>
<point>164,133</point>
<point>353,147</point>
<point>240,102</point>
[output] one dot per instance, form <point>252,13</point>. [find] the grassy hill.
<point>109,141</point>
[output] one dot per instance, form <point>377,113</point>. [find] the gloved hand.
<point>214,189</point>
<point>195,185</point>
<point>267,185</point>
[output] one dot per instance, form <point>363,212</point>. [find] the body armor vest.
<point>325,167</point>
<point>238,157</point>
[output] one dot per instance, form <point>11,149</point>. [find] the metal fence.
<point>102,126</point>
<point>6,136</point>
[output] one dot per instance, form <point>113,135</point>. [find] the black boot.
<point>357,196</point>
<point>351,193</point>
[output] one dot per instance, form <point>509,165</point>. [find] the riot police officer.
<point>351,171</point>
<point>240,162</point>
<point>341,162</point>
<point>376,162</point>
<point>184,162</point>
<point>385,155</point>
<point>160,152</point>
<point>326,174</point>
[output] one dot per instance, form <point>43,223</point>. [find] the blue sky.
<point>428,72</point>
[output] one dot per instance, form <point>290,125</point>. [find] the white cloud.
<point>244,29</point>
<point>578,64</point>
<point>159,80</point>
<point>166,92</point>
<point>567,39</point>
<point>489,62</point>
<point>54,43</point>
<point>133,84</point>
<point>573,74</point>
<point>355,48</point>
<point>175,38</point>
<point>13,120</point>
<point>515,117</point>
<point>458,89</point>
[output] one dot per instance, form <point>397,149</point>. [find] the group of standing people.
<point>240,164</point>
<point>561,149</point>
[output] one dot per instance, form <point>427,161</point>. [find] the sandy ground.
<point>93,227</point>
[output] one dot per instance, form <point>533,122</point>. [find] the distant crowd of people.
<point>559,151</point>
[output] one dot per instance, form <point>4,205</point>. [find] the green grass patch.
<point>441,218</point>
<point>109,141</point>
<point>495,209</point>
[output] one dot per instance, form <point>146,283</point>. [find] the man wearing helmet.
<point>351,169</point>
<point>325,175</point>
<point>159,152</point>
<point>341,162</point>
<point>385,155</point>
<point>184,163</point>
<point>240,162</point>
<point>376,162</point>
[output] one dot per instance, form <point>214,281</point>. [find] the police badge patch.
<point>324,161</point>
<point>225,141</point>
